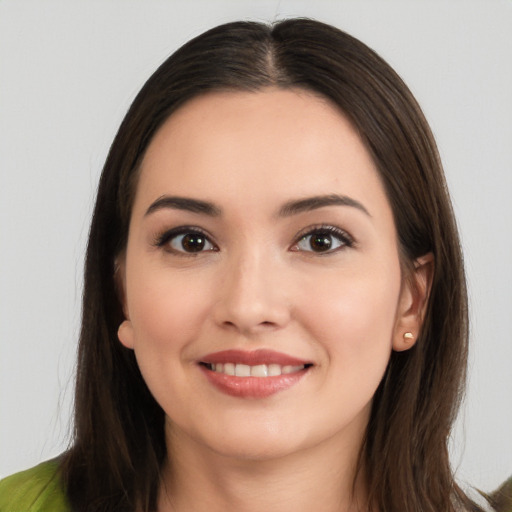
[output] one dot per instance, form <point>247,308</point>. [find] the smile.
<point>253,374</point>
<point>260,370</point>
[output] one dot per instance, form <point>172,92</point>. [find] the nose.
<point>252,295</point>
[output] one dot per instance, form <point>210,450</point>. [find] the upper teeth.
<point>260,370</point>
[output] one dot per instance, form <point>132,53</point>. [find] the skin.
<point>260,285</point>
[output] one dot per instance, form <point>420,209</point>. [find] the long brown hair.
<point>119,446</point>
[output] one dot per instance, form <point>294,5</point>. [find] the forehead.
<point>257,146</point>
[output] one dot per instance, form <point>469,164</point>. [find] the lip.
<point>252,387</point>
<point>253,358</point>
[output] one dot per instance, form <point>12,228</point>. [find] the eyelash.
<point>323,229</point>
<point>167,236</point>
<point>343,237</point>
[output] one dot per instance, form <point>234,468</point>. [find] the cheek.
<point>167,316</point>
<point>165,312</point>
<point>353,318</point>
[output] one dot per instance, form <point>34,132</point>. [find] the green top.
<point>35,490</point>
<point>39,489</point>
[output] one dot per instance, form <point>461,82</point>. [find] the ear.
<point>125,331</point>
<point>413,303</point>
<point>125,334</point>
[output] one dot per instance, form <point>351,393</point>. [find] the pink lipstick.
<point>254,374</point>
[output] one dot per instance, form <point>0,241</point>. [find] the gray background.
<point>68,71</point>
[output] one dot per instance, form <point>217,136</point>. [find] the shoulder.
<point>501,499</point>
<point>36,489</point>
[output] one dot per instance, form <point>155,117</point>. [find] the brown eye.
<point>320,242</point>
<point>191,243</point>
<point>323,240</point>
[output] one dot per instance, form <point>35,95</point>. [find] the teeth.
<point>274,369</point>
<point>260,370</point>
<point>242,370</point>
<point>290,369</point>
<point>229,369</point>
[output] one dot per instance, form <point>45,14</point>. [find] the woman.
<point>274,311</point>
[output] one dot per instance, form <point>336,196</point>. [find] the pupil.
<point>321,242</point>
<point>193,242</point>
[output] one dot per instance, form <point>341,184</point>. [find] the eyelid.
<point>341,234</point>
<point>165,236</point>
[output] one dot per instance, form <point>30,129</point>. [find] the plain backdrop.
<point>68,72</point>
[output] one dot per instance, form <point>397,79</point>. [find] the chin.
<point>257,449</point>
<point>251,440</point>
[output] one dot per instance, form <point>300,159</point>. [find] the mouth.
<point>259,370</point>
<point>255,374</point>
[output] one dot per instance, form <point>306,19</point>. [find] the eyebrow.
<point>312,203</point>
<point>288,209</point>
<point>184,203</point>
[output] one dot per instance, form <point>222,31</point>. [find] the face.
<point>262,284</point>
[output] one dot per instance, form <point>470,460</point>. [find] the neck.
<point>323,477</point>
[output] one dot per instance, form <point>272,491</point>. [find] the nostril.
<point>257,325</point>
<point>251,312</point>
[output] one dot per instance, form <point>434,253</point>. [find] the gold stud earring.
<point>408,336</point>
